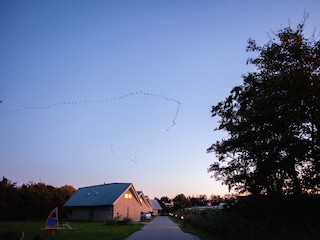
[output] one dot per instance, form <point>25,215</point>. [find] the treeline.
<point>32,200</point>
<point>181,201</point>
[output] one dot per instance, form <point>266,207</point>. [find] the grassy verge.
<point>82,231</point>
<point>195,231</point>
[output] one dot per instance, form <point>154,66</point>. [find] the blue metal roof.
<point>98,195</point>
<point>156,205</point>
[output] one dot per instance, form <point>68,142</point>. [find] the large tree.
<point>273,120</point>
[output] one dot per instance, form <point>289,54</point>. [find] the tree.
<point>8,199</point>
<point>200,200</point>
<point>180,201</point>
<point>32,200</point>
<point>215,200</point>
<point>273,120</point>
<point>63,194</point>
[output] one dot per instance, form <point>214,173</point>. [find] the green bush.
<point>262,218</point>
<point>125,221</point>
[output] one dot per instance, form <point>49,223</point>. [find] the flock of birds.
<point>55,105</point>
<point>111,149</point>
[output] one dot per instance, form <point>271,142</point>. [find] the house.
<point>145,201</point>
<point>156,207</point>
<point>105,202</point>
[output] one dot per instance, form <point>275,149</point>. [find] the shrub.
<point>125,221</point>
<point>262,218</point>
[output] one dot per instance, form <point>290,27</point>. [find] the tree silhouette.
<point>273,120</point>
<point>180,202</point>
<point>32,200</point>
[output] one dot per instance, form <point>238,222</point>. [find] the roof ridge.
<point>104,184</point>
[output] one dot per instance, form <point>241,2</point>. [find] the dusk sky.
<point>97,92</point>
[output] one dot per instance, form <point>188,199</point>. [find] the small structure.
<point>202,208</point>
<point>105,202</point>
<point>156,207</point>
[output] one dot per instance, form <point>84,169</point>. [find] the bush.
<point>262,218</point>
<point>125,221</point>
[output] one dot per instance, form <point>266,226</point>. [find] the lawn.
<point>80,231</point>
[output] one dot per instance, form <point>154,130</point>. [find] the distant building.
<point>156,207</point>
<point>168,205</point>
<point>106,202</point>
<point>200,208</point>
<point>145,201</point>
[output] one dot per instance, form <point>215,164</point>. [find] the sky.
<point>97,92</point>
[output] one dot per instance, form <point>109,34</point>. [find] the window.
<point>89,193</point>
<point>127,195</point>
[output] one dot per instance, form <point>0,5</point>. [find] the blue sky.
<point>120,91</point>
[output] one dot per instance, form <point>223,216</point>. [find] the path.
<point>161,228</point>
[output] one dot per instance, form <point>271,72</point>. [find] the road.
<point>161,228</point>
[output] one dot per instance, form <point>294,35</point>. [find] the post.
<point>183,221</point>
<point>127,212</point>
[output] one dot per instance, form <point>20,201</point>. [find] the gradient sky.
<point>121,91</point>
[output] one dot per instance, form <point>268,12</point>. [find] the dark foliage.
<point>262,217</point>
<point>125,221</point>
<point>273,120</point>
<point>180,201</point>
<point>31,201</point>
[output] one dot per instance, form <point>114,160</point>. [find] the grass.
<point>203,235</point>
<point>83,231</point>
